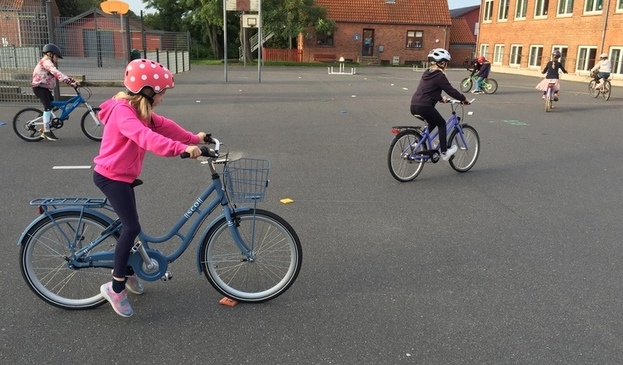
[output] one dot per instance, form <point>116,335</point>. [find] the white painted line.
<point>86,167</point>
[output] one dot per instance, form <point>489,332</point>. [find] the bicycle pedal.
<point>167,276</point>
<point>228,302</point>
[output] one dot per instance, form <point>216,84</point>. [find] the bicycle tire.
<point>607,90</point>
<point>90,128</point>
<point>491,87</point>
<point>45,267</point>
<point>275,267</point>
<point>400,160</point>
<point>592,88</point>
<point>466,84</point>
<point>21,124</point>
<point>468,151</point>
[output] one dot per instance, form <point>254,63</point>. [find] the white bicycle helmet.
<point>438,55</point>
<point>603,55</point>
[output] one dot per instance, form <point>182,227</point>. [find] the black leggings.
<point>45,96</point>
<point>121,196</point>
<point>434,119</point>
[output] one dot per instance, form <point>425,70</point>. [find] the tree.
<point>71,8</point>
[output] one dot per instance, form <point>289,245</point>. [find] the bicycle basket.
<point>246,179</point>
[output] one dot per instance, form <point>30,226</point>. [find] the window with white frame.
<point>565,7</point>
<point>620,5</point>
<point>540,8</point>
<point>593,6</point>
<point>521,9</point>
<point>484,50</point>
<point>586,58</point>
<point>534,59</point>
<point>515,56</point>
<point>488,13</point>
<point>503,10</point>
<point>563,53</point>
<point>498,54</point>
<point>616,57</point>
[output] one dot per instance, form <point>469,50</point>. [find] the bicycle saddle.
<point>136,183</point>
<point>419,117</point>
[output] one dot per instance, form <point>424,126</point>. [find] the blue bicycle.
<point>247,254</point>
<point>28,123</point>
<point>413,146</point>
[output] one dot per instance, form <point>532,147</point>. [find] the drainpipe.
<point>603,32</point>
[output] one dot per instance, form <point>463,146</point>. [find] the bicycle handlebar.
<point>454,101</point>
<point>206,151</point>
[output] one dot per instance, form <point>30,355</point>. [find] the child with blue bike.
<point>131,129</point>
<point>428,94</point>
<point>42,83</point>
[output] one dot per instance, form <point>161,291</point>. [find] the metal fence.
<point>96,48</point>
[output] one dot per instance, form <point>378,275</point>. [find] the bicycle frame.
<point>66,107</point>
<point>148,264</point>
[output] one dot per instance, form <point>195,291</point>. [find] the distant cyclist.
<point>428,94</point>
<point>552,70</point>
<point>484,68</point>
<point>602,70</point>
<point>43,83</point>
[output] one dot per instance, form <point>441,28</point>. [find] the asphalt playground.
<point>518,261</point>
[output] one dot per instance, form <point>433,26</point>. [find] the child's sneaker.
<point>543,97</point>
<point>451,151</point>
<point>119,301</point>
<point>133,285</point>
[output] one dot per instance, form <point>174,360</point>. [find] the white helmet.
<point>604,55</point>
<point>438,55</point>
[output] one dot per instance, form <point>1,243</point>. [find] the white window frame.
<point>484,49</point>
<point>586,59</point>
<point>564,5</point>
<point>619,8</point>
<point>514,59</point>
<point>534,59</point>
<point>521,9</point>
<point>541,8</point>
<point>503,10</point>
<point>595,6</point>
<point>487,15</point>
<point>616,57</point>
<point>498,54</point>
<point>564,53</point>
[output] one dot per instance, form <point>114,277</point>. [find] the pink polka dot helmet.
<point>141,73</point>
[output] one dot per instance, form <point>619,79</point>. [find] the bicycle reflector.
<point>39,209</point>
<point>395,130</point>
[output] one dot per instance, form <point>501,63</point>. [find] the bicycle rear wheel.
<point>466,84</point>
<point>276,262</point>
<point>45,260</point>
<point>491,87</point>
<point>92,128</point>
<point>468,148</point>
<point>24,126</point>
<point>607,90</point>
<point>401,157</point>
<point>592,88</point>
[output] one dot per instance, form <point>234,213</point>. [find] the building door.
<point>367,46</point>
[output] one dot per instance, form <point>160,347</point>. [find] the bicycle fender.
<point>61,210</point>
<point>205,233</point>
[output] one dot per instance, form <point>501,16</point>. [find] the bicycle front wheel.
<point>272,268</point>
<point>25,127</point>
<point>91,126</point>
<point>607,89</point>
<point>466,84</point>
<point>401,157</point>
<point>592,88</point>
<point>45,260</point>
<point>491,87</point>
<point>468,148</point>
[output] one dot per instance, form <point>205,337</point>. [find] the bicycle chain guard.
<point>158,260</point>
<point>56,123</point>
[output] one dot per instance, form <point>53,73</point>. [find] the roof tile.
<point>433,12</point>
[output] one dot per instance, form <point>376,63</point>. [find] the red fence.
<point>283,55</point>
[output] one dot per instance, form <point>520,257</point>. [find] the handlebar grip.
<point>205,152</point>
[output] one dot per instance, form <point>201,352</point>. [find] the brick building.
<point>381,31</point>
<point>520,35</point>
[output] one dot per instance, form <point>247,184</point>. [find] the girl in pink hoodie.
<point>131,129</point>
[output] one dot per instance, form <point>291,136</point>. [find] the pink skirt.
<point>543,84</point>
